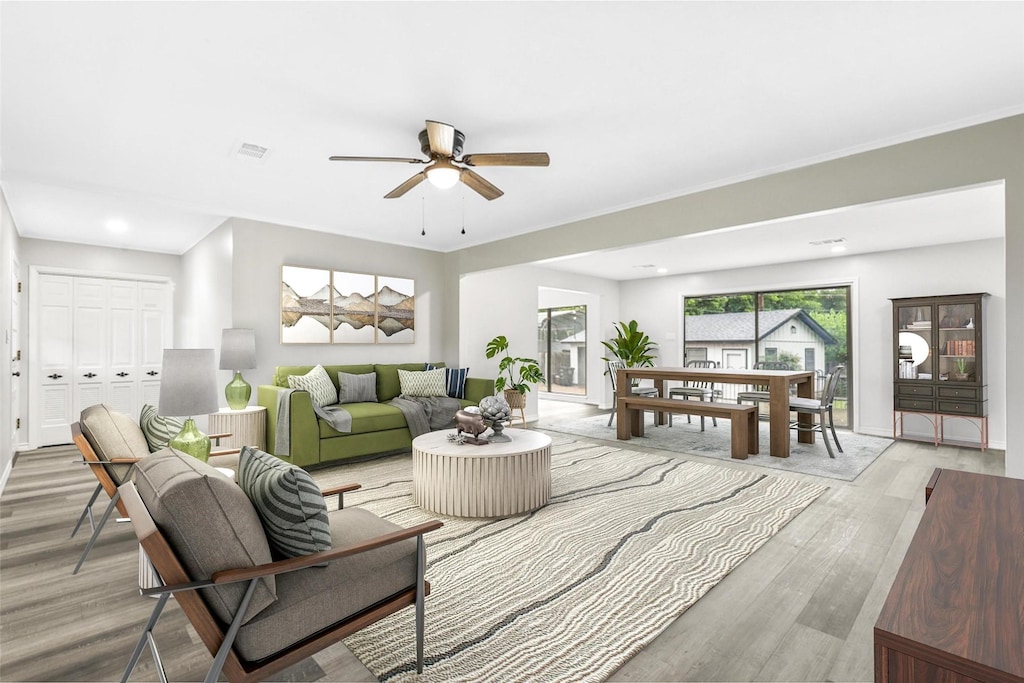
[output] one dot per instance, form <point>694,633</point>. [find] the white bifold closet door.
<point>100,340</point>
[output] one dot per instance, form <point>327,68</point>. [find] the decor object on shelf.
<point>961,374</point>
<point>189,387</point>
<point>334,307</point>
<point>238,352</point>
<point>522,372</point>
<point>497,411</point>
<point>442,143</point>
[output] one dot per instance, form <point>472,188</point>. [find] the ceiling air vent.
<point>821,243</point>
<point>252,152</point>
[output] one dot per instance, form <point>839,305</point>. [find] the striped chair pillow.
<point>158,429</point>
<point>288,502</point>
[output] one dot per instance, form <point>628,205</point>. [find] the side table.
<point>248,426</point>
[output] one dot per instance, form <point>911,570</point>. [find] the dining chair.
<point>758,393</point>
<point>701,391</point>
<point>613,366</point>
<point>822,408</point>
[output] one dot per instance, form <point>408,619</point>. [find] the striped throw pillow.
<point>158,429</point>
<point>455,380</point>
<point>288,502</point>
<point>357,388</point>
<point>426,383</point>
<point>318,383</point>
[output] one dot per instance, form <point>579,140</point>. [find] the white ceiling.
<point>132,111</point>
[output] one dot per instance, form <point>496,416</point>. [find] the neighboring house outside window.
<point>771,353</point>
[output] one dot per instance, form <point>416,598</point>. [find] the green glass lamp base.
<point>191,441</point>
<point>237,392</point>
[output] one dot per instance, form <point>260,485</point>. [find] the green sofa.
<point>377,428</point>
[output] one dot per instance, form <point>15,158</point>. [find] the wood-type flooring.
<point>799,609</point>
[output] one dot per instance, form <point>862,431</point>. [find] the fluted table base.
<point>494,480</point>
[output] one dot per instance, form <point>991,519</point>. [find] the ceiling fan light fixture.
<point>443,175</point>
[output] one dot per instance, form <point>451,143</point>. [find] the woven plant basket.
<point>514,399</point>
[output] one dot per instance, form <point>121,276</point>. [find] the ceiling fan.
<point>443,143</point>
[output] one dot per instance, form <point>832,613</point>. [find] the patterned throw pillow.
<point>455,380</point>
<point>288,502</point>
<point>318,383</point>
<point>357,388</point>
<point>426,383</point>
<point>157,428</point>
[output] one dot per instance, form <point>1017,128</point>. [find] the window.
<point>809,359</point>
<point>562,349</point>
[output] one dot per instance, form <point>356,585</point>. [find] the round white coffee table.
<point>493,480</point>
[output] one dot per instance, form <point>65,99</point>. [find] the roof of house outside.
<point>739,327</point>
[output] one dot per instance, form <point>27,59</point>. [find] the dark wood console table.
<point>955,612</point>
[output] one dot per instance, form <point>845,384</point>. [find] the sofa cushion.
<point>357,388</point>
<point>158,429</point>
<point>211,525</point>
<point>319,385</point>
<point>423,382</point>
<point>388,386</point>
<point>113,435</point>
<point>455,379</point>
<point>282,372</point>
<point>288,502</point>
<point>314,598</point>
<point>367,417</point>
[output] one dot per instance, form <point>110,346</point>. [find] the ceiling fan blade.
<point>478,184</point>
<point>508,159</point>
<point>442,138</point>
<point>406,186</point>
<point>404,160</point>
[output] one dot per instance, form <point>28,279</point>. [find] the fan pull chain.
<point>463,214</point>
<point>423,203</point>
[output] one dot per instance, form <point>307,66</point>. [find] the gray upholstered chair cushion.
<point>210,524</point>
<point>113,435</point>
<point>314,598</point>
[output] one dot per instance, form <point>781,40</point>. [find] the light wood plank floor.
<point>800,609</point>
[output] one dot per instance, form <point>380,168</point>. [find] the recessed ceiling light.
<point>662,271</point>
<point>117,226</point>
<point>839,247</point>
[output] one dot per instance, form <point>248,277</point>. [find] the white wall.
<point>9,252</point>
<point>260,249</point>
<point>505,302</point>
<point>947,269</point>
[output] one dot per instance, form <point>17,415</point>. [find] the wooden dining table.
<point>777,381</point>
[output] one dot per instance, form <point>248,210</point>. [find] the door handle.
<point>55,376</point>
<point>88,375</point>
<point>16,374</point>
<point>152,373</point>
<point>122,374</point>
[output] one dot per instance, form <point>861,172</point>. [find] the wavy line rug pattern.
<point>569,592</point>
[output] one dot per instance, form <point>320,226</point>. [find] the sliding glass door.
<point>562,349</point>
<point>806,329</point>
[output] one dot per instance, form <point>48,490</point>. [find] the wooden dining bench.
<point>743,418</point>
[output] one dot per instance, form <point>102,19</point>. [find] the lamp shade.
<point>189,383</point>
<point>237,349</point>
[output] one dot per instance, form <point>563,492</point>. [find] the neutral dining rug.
<point>859,450</point>
<point>569,592</point>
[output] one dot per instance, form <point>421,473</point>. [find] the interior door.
<point>55,353</point>
<point>91,372</point>
<point>122,346</point>
<point>154,337</point>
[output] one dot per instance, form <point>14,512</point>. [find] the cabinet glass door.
<point>914,357</point>
<point>957,349</point>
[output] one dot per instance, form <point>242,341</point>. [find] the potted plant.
<point>631,345</point>
<point>522,372</point>
<point>961,373</point>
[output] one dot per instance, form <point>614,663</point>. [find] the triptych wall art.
<point>320,306</point>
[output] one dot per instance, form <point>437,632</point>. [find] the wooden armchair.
<point>255,615</point>
<point>111,443</point>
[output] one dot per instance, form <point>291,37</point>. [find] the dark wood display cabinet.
<point>939,363</point>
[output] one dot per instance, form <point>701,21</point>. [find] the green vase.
<point>191,441</point>
<point>237,392</point>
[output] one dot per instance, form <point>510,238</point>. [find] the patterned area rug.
<point>859,450</point>
<point>569,592</point>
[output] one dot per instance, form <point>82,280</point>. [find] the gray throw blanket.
<point>427,413</point>
<point>336,416</point>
